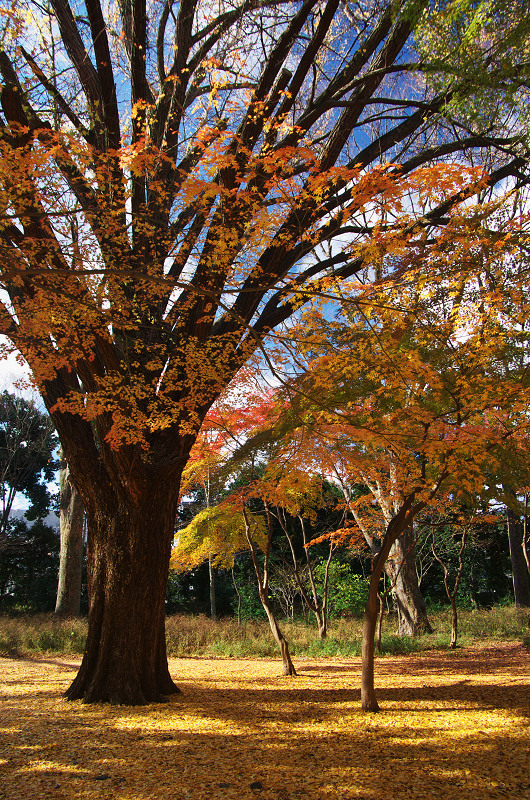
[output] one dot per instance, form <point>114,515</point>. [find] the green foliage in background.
<point>483,40</point>
<point>348,592</point>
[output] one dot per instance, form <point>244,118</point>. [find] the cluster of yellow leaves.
<point>215,533</point>
<point>452,725</point>
<point>286,485</point>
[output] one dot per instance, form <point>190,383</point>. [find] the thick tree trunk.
<point>521,582</point>
<point>406,593</point>
<point>128,561</point>
<point>72,513</point>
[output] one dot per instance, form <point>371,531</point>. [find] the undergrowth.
<point>41,633</point>
<point>198,636</point>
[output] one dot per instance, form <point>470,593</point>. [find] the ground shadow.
<point>268,738</point>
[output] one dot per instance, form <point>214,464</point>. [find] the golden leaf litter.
<point>453,724</point>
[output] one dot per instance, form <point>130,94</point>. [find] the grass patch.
<point>188,635</point>
<point>42,634</point>
<point>198,636</point>
<point>505,623</point>
<point>392,645</point>
<point>329,647</point>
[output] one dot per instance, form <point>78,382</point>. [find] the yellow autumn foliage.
<point>215,533</point>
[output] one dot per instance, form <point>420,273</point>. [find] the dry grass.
<point>41,633</point>
<point>453,725</point>
<point>198,636</point>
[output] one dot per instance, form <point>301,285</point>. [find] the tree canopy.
<point>28,553</point>
<point>27,464</point>
<point>176,189</point>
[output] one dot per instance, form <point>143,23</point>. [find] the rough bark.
<point>406,592</point>
<point>68,603</point>
<point>521,582</point>
<point>130,495</point>
<point>128,553</point>
<point>401,571</point>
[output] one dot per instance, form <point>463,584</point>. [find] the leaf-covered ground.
<point>453,725</point>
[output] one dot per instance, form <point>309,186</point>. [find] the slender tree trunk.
<point>454,622</point>
<point>322,619</point>
<point>71,520</point>
<point>406,592</point>
<point>521,582</point>
<point>525,543</point>
<point>322,626</point>
<point>128,553</point>
<point>452,593</point>
<point>380,622</point>
<point>263,587</point>
<point>211,575</point>
<point>396,526</point>
<point>317,606</point>
<point>288,666</point>
<point>238,594</point>
<point>368,697</point>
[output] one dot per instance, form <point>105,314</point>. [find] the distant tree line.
<point>30,546</point>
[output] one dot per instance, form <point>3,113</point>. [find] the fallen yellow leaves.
<point>454,724</point>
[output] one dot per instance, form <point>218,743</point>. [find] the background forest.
<point>30,543</point>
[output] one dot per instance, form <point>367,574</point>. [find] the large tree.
<point>170,178</point>
<point>416,387</point>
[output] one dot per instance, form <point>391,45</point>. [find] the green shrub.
<point>347,592</point>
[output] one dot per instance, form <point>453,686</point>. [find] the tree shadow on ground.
<point>249,733</point>
<point>334,669</point>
